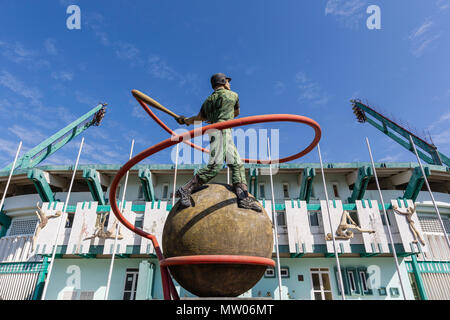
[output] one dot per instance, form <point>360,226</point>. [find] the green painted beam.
<point>306,184</point>
<point>401,142</point>
<point>92,178</point>
<point>5,222</point>
<point>41,184</point>
<point>156,167</point>
<point>365,173</point>
<point>145,175</point>
<point>415,183</point>
<point>278,207</point>
<point>253,181</point>
<point>433,157</point>
<point>41,280</point>
<point>49,146</point>
<point>418,277</point>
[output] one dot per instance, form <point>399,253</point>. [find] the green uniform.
<point>219,107</point>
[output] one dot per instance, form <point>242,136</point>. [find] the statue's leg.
<point>416,234</point>
<point>363,230</point>
<point>205,174</point>
<point>239,181</point>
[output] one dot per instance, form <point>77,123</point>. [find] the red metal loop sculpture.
<point>168,286</point>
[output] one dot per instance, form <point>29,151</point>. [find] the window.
<point>286,190</point>
<point>335,190</point>
<point>140,193</point>
<point>395,292</point>
<point>165,192</point>
<point>363,278</point>
<point>313,218</point>
<point>284,272</point>
<point>105,225</point>
<point>354,216</point>
<point>87,295</point>
<point>281,218</point>
<point>69,295</point>
<point>22,226</point>
<point>270,273</point>
<point>351,280</point>
<point>118,191</point>
<point>262,191</point>
<point>383,219</point>
<point>321,286</point>
<point>69,221</point>
<point>139,220</point>
<point>432,224</point>
<point>131,277</point>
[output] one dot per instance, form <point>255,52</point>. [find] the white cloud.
<point>310,91</point>
<point>127,51</point>
<point>65,115</point>
<point>138,112</point>
<point>443,4</point>
<point>8,147</point>
<point>50,46</point>
<point>160,69</point>
<point>16,52</point>
<point>85,99</point>
<point>423,37</point>
<point>9,81</point>
<point>279,87</point>
<point>62,75</point>
<point>347,12</point>
<point>27,135</point>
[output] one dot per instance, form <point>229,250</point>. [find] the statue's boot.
<point>244,199</point>
<point>184,192</point>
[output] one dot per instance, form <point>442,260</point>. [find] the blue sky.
<point>300,57</point>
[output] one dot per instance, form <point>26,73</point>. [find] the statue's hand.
<point>181,120</point>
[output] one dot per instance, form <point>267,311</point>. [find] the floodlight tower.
<point>427,150</point>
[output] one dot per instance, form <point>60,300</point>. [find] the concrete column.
<point>146,277</point>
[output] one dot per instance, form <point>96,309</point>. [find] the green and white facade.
<point>307,260</point>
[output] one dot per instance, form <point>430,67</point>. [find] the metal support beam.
<point>92,178</point>
<point>41,280</point>
<point>306,183</point>
<point>49,146</point>
<point>145,175</point>
<point>42,186</point>
<point>253,182</point>
<point>394,131</point>
<point>415,183</point>
<point>365,173</point>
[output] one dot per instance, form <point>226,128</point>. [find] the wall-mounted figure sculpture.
<point>409,213</point>
<point>343,232</point>
<point>43,220</point>
<point>100,229</point>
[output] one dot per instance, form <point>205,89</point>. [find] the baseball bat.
<point>153,103</point>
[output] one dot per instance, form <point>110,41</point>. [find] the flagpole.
<point>429,190</point>
<point>275,223</point>
<point>111,266</point>
<point>175,177</point>
<point>62,218</point>
<point>341,282</point>
<point>10,175</point>
<point>394,252</point>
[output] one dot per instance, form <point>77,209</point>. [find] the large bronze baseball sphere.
<point>217,226</point>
